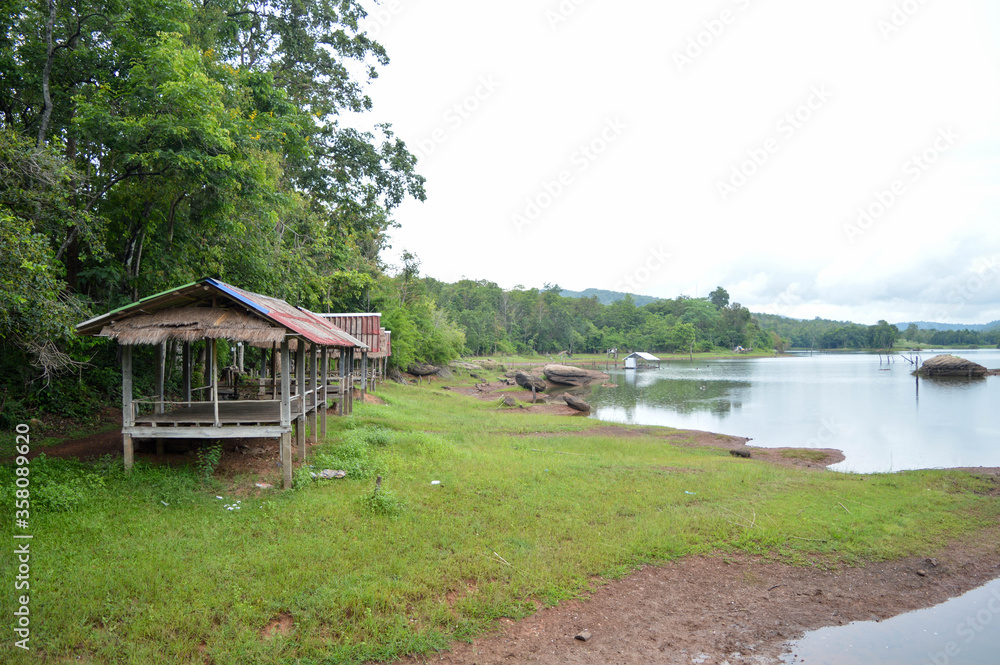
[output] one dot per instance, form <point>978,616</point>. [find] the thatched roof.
<point>190,324</point>
<point>210,308</point>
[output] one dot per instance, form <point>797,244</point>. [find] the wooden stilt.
<point>350,381</point>
<point>286,417</point>
<point>314,398</point>
<point>186,371</point>
<point>300,381</point>
<point>325,382</point>
<point>286,467</point>
<point>161,363</point>
<point>128,418</point>
<point>364,374</point>
<point>214,352</point>
<point>274,370</point>
<point>341,397</point>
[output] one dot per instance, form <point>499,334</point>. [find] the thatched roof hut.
<point>210,310</point>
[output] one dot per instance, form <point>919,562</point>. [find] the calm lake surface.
<point>961,631</point>
<point>878,415</point>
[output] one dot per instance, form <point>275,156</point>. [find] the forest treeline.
<point>521,320</point>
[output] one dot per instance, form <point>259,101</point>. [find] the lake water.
<point>879,415</point>
<point>962,631</point>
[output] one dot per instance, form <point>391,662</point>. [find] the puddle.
<point>962,631</point>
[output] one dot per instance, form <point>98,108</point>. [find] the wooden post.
<point>325,371</point>
<point>208,370</point>
<point>285,446</point>
<point>161,368</point>
<point>364,374</point>
<point>341,397</point>
<point>274,371</point>
<point>161,358</point>
<point>350,380</point>
<point>186,371</point>
<point>127,417</point>
<point>214,351</point>
<point>314,401</point>
<point>300,381</point>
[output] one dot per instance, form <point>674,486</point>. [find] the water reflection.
<point>962,631</point>
<point>682,395</point>
<point>878,414</point>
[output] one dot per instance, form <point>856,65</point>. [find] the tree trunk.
<point>43,128</point>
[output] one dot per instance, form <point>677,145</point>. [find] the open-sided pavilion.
<point>211,310</point>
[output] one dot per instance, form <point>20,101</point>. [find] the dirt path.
<point>715,610</point>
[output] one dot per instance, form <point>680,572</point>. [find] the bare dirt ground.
<point>717,610</point>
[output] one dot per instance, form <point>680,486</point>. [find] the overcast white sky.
<point>664,148</point>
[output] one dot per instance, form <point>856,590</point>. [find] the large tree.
<point>150,142</point>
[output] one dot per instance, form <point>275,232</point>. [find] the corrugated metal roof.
<point>644,356</point>
<point>363,325</point>
<point>296,321</point>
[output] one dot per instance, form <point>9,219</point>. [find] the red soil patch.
<point>714,610</point>
<point>280,625</point>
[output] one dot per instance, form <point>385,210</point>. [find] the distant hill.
<point>608,297</point>
<point>930,325</point>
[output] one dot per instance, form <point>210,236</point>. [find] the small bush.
<point>207,459</point>
<point>383,502</point>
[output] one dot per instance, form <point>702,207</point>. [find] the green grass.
<point>804,454</point>
<point>118,576</point>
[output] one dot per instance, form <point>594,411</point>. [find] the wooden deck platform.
<point>250,419</point>
<point>230,413</point>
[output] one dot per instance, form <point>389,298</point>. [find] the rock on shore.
<point>527,381</point>
<point>566,375</point>
<point>947,365</point>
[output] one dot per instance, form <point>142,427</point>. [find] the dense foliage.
<point>147,144</point>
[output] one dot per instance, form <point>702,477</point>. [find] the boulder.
<point>574,402</point>
<point>489,364</point>
<point>947,365</point>
<point>528,382</point>
<point>566,375</point>
<point>422,369</point>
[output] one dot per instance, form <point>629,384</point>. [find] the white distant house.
<point>639,360</point>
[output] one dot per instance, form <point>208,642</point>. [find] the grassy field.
<point>153,567</point>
